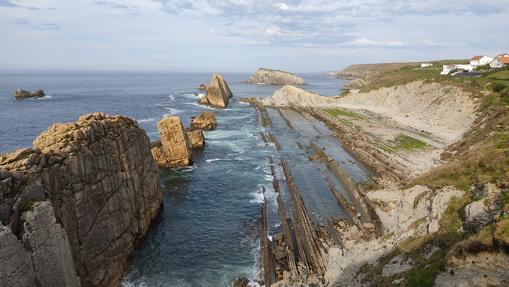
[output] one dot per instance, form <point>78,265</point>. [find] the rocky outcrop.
<point>173,150</point>
<point>217,94</point>
<point>80,199</point>
<point>205,121</point>
<point>22,94</point>
<point>196,139</point>
<point>274,77</point>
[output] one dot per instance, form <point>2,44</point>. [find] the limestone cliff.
<point>81,198</point>
<point>218,93</point>
<point>275,77</point>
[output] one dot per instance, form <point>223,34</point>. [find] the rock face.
<point>196,139</point>
<point>217,93</point>
<point>205,121</point>
<point>22,94</point>
<point>173,149</point>
<point>80,199</point>
<point>275,77</point>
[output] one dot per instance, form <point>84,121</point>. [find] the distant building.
<point>500,61</point>
<point>480,60</point>
<point>446,69</point>
<point>425,65</point>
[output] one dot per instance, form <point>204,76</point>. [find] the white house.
<point>446,69</point>
<point>425,65</point>
<point>500,61</point>
<point>480,60</point>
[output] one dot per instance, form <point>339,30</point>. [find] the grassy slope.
<point>482,156</point>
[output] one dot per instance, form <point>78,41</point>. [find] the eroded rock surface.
<point>94,178</point>
<point>274,77</point>
<point>196,139</point>
<point>173,150</point>
<point>205,121</point>
<point>22,94</point>
<point>218,93</point>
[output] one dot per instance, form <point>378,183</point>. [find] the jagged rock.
<point>22,94</point>
<point>196,139</point>
<point>202,87</point>
<point>173,149</point>
<point>48,242</point>
<point>15,265</point>
<point>241,282</point>
<point>217,93</point>
<point>102,185</point>
<point>274,77</point>
<point>205,121</point>
<point>483,211</point>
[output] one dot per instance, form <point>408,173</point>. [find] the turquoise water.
<point>203,236</point>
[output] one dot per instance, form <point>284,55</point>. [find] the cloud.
<point>368,42</point>
<point>114,5</point>
<point>9,4</point>
<point>41,26</point>
<point>5,3</point>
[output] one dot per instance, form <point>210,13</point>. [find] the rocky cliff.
<point>80,199</point>
<point>444,111</point>
<point>274,77</point>
<point>218,93</point>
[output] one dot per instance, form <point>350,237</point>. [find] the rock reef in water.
<point>217,94</point>
<point>173,150</point>
<point>22,94</point>
<point>74,206</point>
<point>196,139</point>
<point>205,121</point>
<point>274,77</point>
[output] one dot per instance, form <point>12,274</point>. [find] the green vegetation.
<point>408,143</point>
<point>341,112</point>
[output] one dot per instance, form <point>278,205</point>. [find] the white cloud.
<point>368,42</point>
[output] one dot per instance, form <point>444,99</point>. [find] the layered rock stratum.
<point>173,149</point>
<point>274,77</point>
<point>217,93</point>
<point>74,206</point>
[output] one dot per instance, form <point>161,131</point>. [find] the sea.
<point>204,234</point>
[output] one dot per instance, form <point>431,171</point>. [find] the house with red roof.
<point>500,61</point>
<point>480,60</point>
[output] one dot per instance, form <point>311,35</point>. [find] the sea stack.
<point>196,139</point>
<point>274,77</point>
<point>74,206</point>
<point>23,94</point>
<point>205,121</point>
<point>173,150</point>
<point>217,94</point>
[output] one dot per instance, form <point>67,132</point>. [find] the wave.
<point>172,111</point>
<point>43,98</point>
<point>213,160</point>
<point>146,120</point>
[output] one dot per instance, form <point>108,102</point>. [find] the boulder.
<point>22,94</point>
<point>217,93</point>
<point>241,282</point>
<point>196,139</point>
<point>205,121</point>
<point>173,149</point>
<point>275,77</point>
<point>202,87</point>
<point>78,203</point>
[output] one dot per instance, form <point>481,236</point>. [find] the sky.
<point>243,35</point>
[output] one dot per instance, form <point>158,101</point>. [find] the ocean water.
<point>203,236</point>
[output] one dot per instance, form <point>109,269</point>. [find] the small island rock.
<point>217,93</point>
<point>274,77</point>
<point>205,121</point>
<point>173,149</point>
<point>23,94</point>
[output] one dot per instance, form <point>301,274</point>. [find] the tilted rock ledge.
<point>274,77</point>
<point>218,93</point>
<point>22,94</point>
<point>74,206</point>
